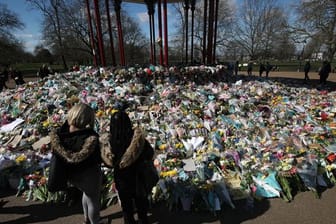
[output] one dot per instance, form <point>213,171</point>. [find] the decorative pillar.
<point>91,33</point>
<point>110,31</point>
<point>215,31</point>
<point>99,33</point>
<point>205,31</point>
<point>117,8</point>
<point>186,9</point>
<point>150,8</point>
<point>165,22</point>
<point>192,7</point>
<point>210,31</point>
<point>160,31</point>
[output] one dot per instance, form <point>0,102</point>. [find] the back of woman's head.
<point>81,116</point>
<point>121,130</point>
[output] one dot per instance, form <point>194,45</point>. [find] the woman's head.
<point>81,116</point>
<point>121,130</point>
<point>120,122</point>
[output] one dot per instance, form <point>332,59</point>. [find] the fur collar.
<point>131,154</point>
<point>87,149</point>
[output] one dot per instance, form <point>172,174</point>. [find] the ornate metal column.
<point>110,31</point>
<point>210,31</point>
<point>205,31</point>
<point>215,32</point>
<point>150,8</point>
<point>165,22</point>
<point>160,31</point>
<point>117,8</point>
<point>99,33</point>
<point>186,9</point>
<point>91,33</point>
<point>192,7</point>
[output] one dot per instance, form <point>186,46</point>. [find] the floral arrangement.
<point>216,141</point>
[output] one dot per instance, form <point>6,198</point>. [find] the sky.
<point>30,35</point>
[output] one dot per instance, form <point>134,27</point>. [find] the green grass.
<point>30,69</point>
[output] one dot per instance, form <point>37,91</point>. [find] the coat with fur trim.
<point>125,162</point>
<point>80,149</point>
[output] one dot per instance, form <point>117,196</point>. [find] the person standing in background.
<point>249,68</point>
<point>306,71</point>
<point>324,72</point>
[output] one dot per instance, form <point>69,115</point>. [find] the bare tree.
<point>224,28</point>
<point>11,49</point>
<point>8,21</point>
<point>318,19</point>
<point>261,24</point>
<point>51,10</point>
<point>136,43</point>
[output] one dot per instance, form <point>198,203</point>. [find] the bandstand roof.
<point>143,2</point>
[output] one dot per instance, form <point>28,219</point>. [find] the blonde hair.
<point>81,116</point>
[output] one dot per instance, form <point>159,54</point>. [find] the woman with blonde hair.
<point>77,144</point>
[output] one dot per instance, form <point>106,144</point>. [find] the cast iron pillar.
<point>165,22</point>
<point>160,31</point>
<point>215,31</point>
<point>192,7</point>
<point>205,31</point>
<point>150,8</point>
<point>117,8</point>
<point>186,9</point>
<point>210,31</point>
<point>99,33</point>
<point>107,6</point>
<point>92,42</point>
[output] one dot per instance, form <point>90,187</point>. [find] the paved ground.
<point>304,209</point>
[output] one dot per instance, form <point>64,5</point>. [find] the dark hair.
<point>121,132</point>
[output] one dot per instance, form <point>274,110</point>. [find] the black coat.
<point>80,149</point>
<point>128,161</point>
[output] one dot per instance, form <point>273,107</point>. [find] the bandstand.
<point>210,18</point>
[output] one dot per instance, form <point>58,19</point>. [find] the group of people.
<point>44,71</point>
<point>265,68</point>
<point>323,72</point>
<point>7,72</point>
<point>262,68</point>
<point>11,72</point>
<point>124,149</point>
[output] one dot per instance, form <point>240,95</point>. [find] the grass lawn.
<point>30,69</point>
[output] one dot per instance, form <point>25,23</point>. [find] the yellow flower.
<point>114,111</point>
<point>46,123</point>
<point>163,147</point>
<point>170,173</point>
<point>99,113</point>
<point>21,158</point>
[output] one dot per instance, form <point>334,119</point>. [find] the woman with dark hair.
<point>126,149</point>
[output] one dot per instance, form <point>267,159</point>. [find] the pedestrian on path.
<point>306,71</point>
<point>324,72</point>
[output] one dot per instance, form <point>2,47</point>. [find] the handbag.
<point>147,175</point>
<point>57,178</point>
